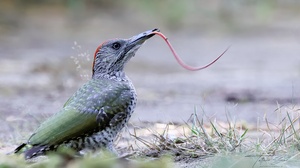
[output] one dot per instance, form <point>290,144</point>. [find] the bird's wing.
<point>79,115</point>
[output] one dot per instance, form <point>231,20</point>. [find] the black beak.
<point>141,38</point>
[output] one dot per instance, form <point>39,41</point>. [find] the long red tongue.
<point>179,60</point>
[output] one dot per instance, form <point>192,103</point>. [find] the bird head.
<point>111,56</point>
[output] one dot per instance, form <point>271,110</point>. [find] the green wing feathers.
<point>63,126</point>
<point>78,116</point>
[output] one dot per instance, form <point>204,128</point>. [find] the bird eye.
<point>116,45</point>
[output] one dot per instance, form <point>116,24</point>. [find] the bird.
<point>95,114</point>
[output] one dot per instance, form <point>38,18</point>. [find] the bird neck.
<point>114,75</point>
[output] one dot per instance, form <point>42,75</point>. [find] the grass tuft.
<point>229,143</point>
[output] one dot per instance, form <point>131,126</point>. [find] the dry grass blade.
<point>292,126</point>
<point>143,141</point>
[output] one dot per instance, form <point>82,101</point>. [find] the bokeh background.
<point>47,47</point>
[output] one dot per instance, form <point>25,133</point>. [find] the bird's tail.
<point>22,148</point>
<point>30,151</point>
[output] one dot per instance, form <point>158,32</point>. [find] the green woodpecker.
<point>97,112</point>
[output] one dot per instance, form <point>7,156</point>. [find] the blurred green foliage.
<point>172,13</point>
<point>105,160</point>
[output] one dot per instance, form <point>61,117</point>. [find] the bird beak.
<point>136,41</point>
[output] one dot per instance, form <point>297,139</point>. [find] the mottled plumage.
<point>97,112</point>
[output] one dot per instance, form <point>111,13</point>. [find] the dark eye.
<point>116,45</point>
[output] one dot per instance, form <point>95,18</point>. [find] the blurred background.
<point>47,47</point>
